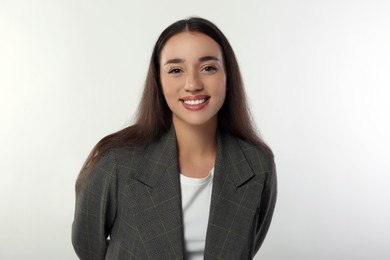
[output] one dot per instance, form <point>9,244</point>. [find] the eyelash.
<point>174,71</point>
<point>206,68</point>
<point>210,67</point>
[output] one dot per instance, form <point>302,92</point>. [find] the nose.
<point>193,82</point>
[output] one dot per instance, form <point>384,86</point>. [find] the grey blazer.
<point>129,205</point>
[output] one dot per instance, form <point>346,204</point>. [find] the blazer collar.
<point>158,156</point>
<point>159,171</point>
<point>231,160</point>
<point>162,154</point>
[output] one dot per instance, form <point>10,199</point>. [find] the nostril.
<point>194,85</point>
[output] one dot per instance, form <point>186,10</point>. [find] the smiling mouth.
<point>194,102</point>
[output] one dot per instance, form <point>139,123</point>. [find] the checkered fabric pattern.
<point>129,205</point>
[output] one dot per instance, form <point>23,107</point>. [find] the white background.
<point>317,74</point>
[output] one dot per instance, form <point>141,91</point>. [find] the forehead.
<point>187,45</point>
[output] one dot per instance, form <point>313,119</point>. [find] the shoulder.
<point>116,155</point>
<point>255,155</point>
<point>121,157</point>
<point>107,166</point>
<point>260,160</point>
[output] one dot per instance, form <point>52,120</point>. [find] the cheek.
<point>169,86</point>
<point>221,90</point>
<point>166,89</point>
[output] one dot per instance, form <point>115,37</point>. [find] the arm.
<point>96,200</point>
<point>267,206</point>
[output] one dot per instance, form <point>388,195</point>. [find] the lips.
<point>195,103</point>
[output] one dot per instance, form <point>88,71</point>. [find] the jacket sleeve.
<point>267,206</point>
<point>96,199</point>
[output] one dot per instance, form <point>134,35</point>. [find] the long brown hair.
<point>154,116</point>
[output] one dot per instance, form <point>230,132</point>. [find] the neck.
<point>196,141</point>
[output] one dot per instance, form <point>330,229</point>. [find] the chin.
<point>196,122</point>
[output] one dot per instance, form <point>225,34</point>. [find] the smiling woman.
<point>193,79</point>
<point>190,179</point>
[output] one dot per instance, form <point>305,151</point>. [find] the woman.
<point>190,179</point>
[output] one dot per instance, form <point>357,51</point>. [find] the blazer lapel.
<point>159,213</point>
<point>232,204</point>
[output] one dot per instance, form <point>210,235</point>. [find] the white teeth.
<point>194,102</point>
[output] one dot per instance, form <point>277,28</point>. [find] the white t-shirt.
<point>196,197</point>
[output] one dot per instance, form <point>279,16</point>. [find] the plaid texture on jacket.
<point>129,205</point>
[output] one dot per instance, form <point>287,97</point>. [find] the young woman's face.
<point>193,78</point>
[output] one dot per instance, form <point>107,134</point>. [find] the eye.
<point>174,71</point>
<point>209,68</point>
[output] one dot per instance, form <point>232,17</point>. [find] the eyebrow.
<point>207,58</point>
<point>201,59</point>
<point>174,61</point>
